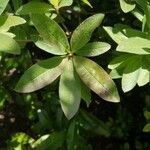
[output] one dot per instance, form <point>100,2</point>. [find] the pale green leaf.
<point>93,49</point>
<point>96,79</point>
<point>40,75</point>
<point>83,32</point>
<point>55,3</point>
<point>115,34</point>
<point>135,45</point>
<point>64,3</point>
<point>51,32</point>
<point>116,73</point>
<point>138,14</point>
<point>69,91</point>
<point>126,6</point>
<point>144,77</point>
<point>87,3</point>
<point>6,22</point>
<point>131,74</point>
<point>3,4</point>
<point>34,7</point>
<point>8,44</point>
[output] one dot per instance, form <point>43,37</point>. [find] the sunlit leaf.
<point>93,49</point>
<point>3,5</point>
<point>96,79</point>
<point>6,22</point>
<point>51,33</point>
<point>40,75</point>
<point>83,32</point>
<point>34,7</point>
<point>131,74</point>
<point>126,6</point>
<point>115,34</point>
<point>64,3</point>
<point>87,2</point>
<point>8,44</point>
<point>135,45</point>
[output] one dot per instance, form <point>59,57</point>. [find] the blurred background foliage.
<point>36,121</point>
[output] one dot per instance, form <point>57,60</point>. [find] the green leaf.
<point>144,77</point>
<point>71,135</point>
<point>40,75</point>
<point>117,61</point>
<point>135,45</point>
<point>131,74</point>
<point>138,14</point>
<point>3,5</point>
<point>85,94</point>
<point>6,22</point>
<point>69,91</point>
<point>87,3</point>
<point>93,49</point>
<point>47,47</point>
<point>146,128</point>
<point>51,33</point>
<point>126,6</point>
<point>96,79</point>
<point>115,34</point>
<point>55,3</point>
<point>116,73</point>
<point>64,3</point>
<point>34,7</point>
<point>53,142</point>
<point>147,115</point>
<point>8,44</point>
<point>83,32</point>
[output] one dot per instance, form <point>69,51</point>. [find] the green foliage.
<point>56,41</point>
<point>66,51</point>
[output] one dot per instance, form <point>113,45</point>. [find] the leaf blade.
<point>9,45</point>
<point>132,45</point>
<point>83,32</point>
<point>96,79</point>
<point>69,91</point>
<point>93,49</point>
<point>51,33</point>
<point>6,22</point>
<point>33,7</point>
<point>40,75</point>
<point>3,5</point>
